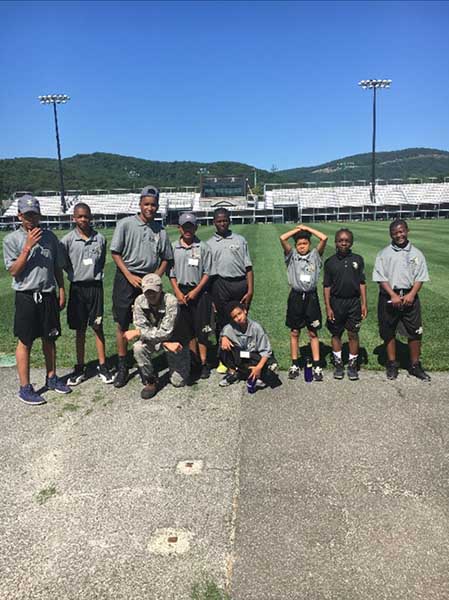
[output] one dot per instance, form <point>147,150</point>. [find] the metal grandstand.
<point>307,202</point>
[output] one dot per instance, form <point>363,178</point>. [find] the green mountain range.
<point>112,171</point>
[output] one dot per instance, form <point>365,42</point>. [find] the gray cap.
<point>187,217</point>
<point>150,190</point>
<point>28,203</point>
<point>151,282</point>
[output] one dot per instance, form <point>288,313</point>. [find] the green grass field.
<point>271,291</point>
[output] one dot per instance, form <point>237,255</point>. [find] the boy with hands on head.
<point>303,307</point>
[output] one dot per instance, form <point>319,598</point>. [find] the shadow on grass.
<point>402,355</point>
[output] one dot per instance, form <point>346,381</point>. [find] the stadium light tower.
<point>57,99</point>
<point>374,84</point>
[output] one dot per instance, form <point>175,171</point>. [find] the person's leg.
<point>314,345</point>
<point>294,344</point>
<point>414,347</point>
<point>336,344</point>
<point>122,344</point>
<point>23,362</point>
<point>203,353</point>
<point>390,348</point>
<point>179,366</point>
<point>100,344</point>
<point>353,339</point>
<point>49,350</point>
<point>80,346</point>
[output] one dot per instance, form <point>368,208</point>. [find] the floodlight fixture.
<point>57,99</point>
<point>374,84</point>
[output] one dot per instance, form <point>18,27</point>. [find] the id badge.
<point>87,262</point>
<point>193,262</point>
<point>305,278</point>
<point>244,354</point>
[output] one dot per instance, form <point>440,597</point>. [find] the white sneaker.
<point>260,385</point>
<point>293,372</point>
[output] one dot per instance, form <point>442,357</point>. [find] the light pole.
<point>374,84</point>
<point>57,99</point>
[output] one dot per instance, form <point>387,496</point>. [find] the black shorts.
<point>347,313</point>
<point>303,310</point>
<point>195,319</point>
<point>36,315</point>
<point>85,305</point>
<point>224,291</point>
<point>408,318</point>
<point>123,296</point>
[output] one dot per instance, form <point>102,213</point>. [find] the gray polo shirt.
<point>39,272</point>
<point>303,271</point>
<point>191,262</point>
<point>84,258</point>
<point>142,246</point>
<point>400,267</point>
<point>230,255</point>
<point>254,339</point>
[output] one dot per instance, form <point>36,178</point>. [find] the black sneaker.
<point>205,372</point>
<point>339,371</point>
<point>56,384</point>
<point>317,373</point>
<point>78,376</point>
<point>121,377</point>
<point>392,370</point>
<point>293,372</point>
<point>353,373</point>
<point>105,374</point>
<point>229,379</point>
<point>417,371</point>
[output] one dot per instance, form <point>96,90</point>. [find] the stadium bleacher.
<point>290,203</point>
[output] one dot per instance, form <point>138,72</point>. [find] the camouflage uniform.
<point>157,325</point>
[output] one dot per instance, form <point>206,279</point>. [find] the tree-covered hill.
<point>113,171</point>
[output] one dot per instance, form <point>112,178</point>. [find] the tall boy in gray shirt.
<point>401,269</point>
<point>34,258</point>
<point>139,246</point>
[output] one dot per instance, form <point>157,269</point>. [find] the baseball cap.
<point>150,190</point>
<point>151,282</point>
<point>187,217</point>
<point>28,203</point>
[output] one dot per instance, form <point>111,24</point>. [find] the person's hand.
<point>131,334</point>
<point>246,300</point>
<point>408,299</point>
<point>226,343</point>
<point>180,297</point>
<point>330,314</point>
<point>191,295</point>
<point>61,298</point>
<point>255,373</point>
<point>396,300</point>
<point>173,347</point>
<point>364,311</point>
<point>33,237</point>
<point>134,280</point>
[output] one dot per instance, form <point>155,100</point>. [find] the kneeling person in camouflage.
<point>154,316</point>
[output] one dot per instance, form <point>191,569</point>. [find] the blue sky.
<point>258,82</point>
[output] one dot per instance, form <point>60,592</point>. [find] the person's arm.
<point>32,239</point>
<point>162,268</point>
<point>409,298</point>
<point>256,371</point>
<point>59,276</point>
<point>164,330</point>
<point>320,235</point>
<point>134,280</point>
<point>247,298</point>
<point>179,295</point>
<point>286,236</point>
<point>197,290</point>
<point>396,300</point>
<point>363,300</point>
<point>327,303</point>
